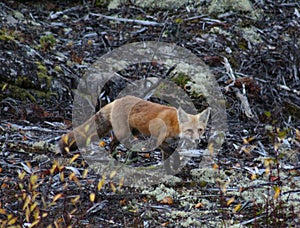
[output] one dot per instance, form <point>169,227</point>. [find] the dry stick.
<point>243,98</point>
<point>252,220</point>
<point>142,22</point>
<point>285,87</point>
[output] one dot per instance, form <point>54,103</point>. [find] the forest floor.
<point>46,47</point>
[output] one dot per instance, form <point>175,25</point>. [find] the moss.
<point>47,42</point>
<point>24,82</point>
<point>16,92</point>
<point>242,44</point>
<point>43,76</point>
<point>181,79</point>
<point>58,69</point>
<point>6,36</point>
<point>101,3</point>
<point>23,94</point>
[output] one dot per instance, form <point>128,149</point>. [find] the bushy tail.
<point>91,130</point>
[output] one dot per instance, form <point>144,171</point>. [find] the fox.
<point>132,114</point>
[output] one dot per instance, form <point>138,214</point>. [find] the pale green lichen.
<point>161,192</point>
<point>251,35</point>
<point>166,4</point>
<point>208,175</point>
<point>221,6</point>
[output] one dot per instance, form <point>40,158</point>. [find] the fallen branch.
<point>241,96</point>
<point>141,22</point>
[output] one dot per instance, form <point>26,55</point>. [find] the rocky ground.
<point>252,51</point>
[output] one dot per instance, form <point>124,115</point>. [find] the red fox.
<point>130,113</point>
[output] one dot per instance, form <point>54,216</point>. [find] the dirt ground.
<point>48,46</point>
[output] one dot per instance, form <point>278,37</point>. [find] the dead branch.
<point>241,96</point>
<point>141,22</point>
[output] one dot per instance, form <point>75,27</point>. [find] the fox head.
<point>192,127</point>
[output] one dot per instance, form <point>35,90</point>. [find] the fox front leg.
<point>168,151</point>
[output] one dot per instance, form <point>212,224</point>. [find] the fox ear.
<point>204,116</point>
<point>182,115</point>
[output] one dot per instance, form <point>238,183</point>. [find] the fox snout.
<point>197,141</point>
<point>192,127</point>
<point>195,138</point>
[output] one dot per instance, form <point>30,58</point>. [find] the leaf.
<point>297,134</point>
<point>85,173</point>
<point>121,182</point>
<point>282,134</point>
<point>34,223</point>
<point>53,168</point>
<point>88,141</point>
<point>2,211</point>
<point>268,114</point>
<point>26,203</point>
<point>12,221</point>
<point>33,206</point>
<point>230,201</point>
<point>237,207</point>
<point>112,174</point>
<point>73,177</point>
<point>167,200</point>
<point>101,183</point>
<point>277,192</point>
<point>102,144</point>
<point>21,175</point>
<point>75,199</point>
<point>36,214</point>
<point>211,148</point>
<point>27,214</point>
<point>57,196</point>
<point>74,158</point>
<point>165,224</point>
<point>21,186</point>
<point>215,166</point>
<point>123,202</point>
<point>65,139</point>
<point>199,205</point>
<point>113,187</point>
<point>62,176</point>
<point>248,140</point>
<point>92,197</point>
<point>33,179</point>
<point>253,176</point>
<point>4,86</point>
<point>67,149</point>
<point>178,20</point>
<point>86,128</point>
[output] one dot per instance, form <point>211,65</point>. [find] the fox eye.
<point>200,130</point>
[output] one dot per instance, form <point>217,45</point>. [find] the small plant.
<point>47,42</point>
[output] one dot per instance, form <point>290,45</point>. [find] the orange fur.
<point>131,113</point>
